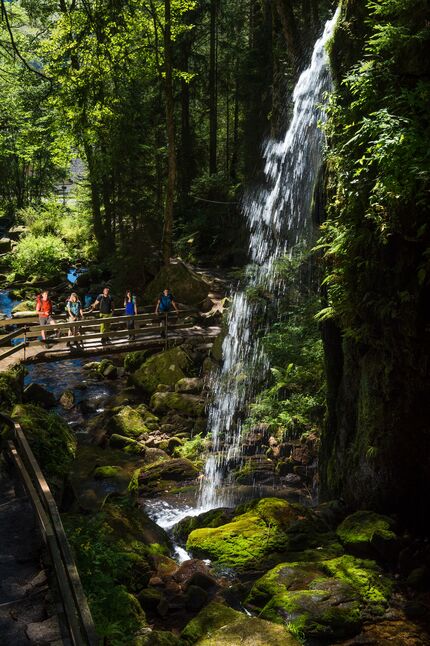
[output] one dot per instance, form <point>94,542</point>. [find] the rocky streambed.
<point>123,442</point>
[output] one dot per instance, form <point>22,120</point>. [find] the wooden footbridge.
<point>23,617</point>
<point>21,340</point>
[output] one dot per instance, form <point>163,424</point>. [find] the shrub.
<point>39,255</point>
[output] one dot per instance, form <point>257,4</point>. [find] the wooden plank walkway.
<point>27,612</point>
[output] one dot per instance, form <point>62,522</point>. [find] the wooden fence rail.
<point>88,329</point>
<point>78,617</point>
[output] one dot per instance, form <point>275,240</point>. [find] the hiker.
<point>130,306</point>
<point>105,302</point>
<point>44,310</point>
<point>74,313</point>
<point>165,303</point>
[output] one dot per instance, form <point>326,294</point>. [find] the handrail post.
<point>165,330</point>
<point>25,342</point>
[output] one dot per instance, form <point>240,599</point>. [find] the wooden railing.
<point>88,329</point>
<point>78,617</point>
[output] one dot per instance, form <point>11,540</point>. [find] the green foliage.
<point>376,238</point>
<point>293,403</point>
<point>39,255</point>
<point>192,449</point>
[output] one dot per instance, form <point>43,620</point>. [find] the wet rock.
<point>190,385</point>
<point>150,597</point>
<point>256,469</point>
<point>110,372</point>
<point>67,399</point>
<point>164,388</point>
<point>5,245</point>
<point>188,568</point>
<point>165,567</point>
<point>368,534</point>
<point>188,404</point>
<point>163,368</point>
<point>36,394</point>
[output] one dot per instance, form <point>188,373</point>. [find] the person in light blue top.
<point>130,306</point>
<point>74,313</point>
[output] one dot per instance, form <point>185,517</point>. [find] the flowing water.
<point>279,216</point>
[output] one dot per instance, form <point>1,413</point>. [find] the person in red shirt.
<point>44,310</point>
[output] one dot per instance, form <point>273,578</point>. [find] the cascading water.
<point>278,217</point>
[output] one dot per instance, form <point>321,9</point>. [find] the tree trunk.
<point>170,126</point>
<point>290,30</point>
<point>213,102</point>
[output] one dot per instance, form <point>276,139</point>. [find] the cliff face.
<point>375,449</point>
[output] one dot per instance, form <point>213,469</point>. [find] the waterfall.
<point>278,215</point>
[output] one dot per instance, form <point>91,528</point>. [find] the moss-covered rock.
<point>127,444</point>
<point>188,404</point>
<point>212,518</point>
<point>214,616</point>
<point>368,534</point>
<point>186,286</point>
<point>190,385</point>
<point>157,638</point>
<point>133,360</point>
<point>128,422</point>
<point>163,475</point>
<point>260,532</point>
<point>50,438</point>
<point>326,599</point>
<point>219,624</point>
<point>101,473</point>
<point>162,368</point>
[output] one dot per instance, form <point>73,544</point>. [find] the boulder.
<point>219,624</point>
<point>326,600</point>
<point>189,404</point>
<point>102,473</point>
<point>24,307</point>
<point>159,476</point>
<point>186,286</point>
<point>36,394</point>
<point>212,518</point>
<point>50,438</point>
<point>258,534</point>
<point>162,368</point>
<point>128,422</point>
<point>368,534</point>
<point>190,385</point>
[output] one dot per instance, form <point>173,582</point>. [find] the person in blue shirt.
<point>130,306</point>
<point>165,303</point>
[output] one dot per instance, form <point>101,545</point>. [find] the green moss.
<point>251,537</point>
<point>157,638</point>
<point>213,616</point>
<point>50,438</point>
<point>11,386</point>
<point>365,576</point>
<point>127,444</point>
<point>364,529</point>
<point>120,617</point>
<point>128,422</point>
<point>163,368</point>
<point>188,404</point>
<point>107,472</point>
<point>133,360</point>
<point>164,475</point>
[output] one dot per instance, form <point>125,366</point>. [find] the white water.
<point>279,215</point>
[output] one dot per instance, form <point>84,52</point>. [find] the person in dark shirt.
<point>130,306</point>
<point>165,303</point>
<point>106,307</point>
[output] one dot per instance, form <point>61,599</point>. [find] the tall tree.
<point>170,128</point>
